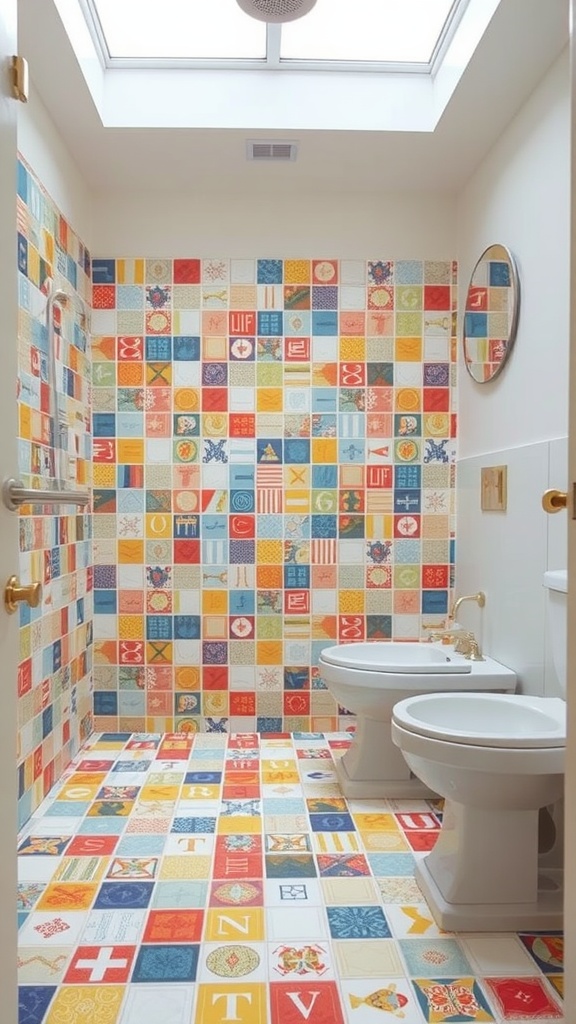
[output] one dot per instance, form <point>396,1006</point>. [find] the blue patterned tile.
<point>332,823</point>
<point>33,1002</point>
<point>434,957</point>
<point>358,923</point>
<point>202,826</point>
<point>166,963</point>
<point>123,895</point>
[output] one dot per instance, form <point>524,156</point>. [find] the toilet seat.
<point>511,721</point>
<point>401,658</point>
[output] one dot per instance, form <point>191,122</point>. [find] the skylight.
<point>408,33</point>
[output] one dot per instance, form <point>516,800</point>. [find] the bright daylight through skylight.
<point>391,31</point>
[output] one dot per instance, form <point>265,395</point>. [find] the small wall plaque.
<point>493,492</point>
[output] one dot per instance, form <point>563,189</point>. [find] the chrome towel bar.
<point>14,494</point>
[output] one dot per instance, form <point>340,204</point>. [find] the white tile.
<point>298,893</point>
<point>57,928</point>
<point>171,1004</point>
<point>37,868</point>
<point>114,927</point>
<point>286,923</point>
<point>497,954</point>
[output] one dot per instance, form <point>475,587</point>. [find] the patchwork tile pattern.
<point>54,681</point>
<point>274,445</point>
<point>188,920</point>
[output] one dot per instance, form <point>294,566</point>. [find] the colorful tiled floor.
<point>220,879</point>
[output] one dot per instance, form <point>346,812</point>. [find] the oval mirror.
<point>491,313</point>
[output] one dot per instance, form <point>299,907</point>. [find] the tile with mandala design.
<point>182,898</point>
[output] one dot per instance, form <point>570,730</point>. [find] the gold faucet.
<point>469,647</point>
<point>480,599</point>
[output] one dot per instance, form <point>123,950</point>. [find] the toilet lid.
<point>485,720</point>
<point>400,658</point>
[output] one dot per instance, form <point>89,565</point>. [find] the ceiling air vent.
<point>259,150</point>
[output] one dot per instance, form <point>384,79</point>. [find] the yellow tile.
<point>25,417</point>
<point>269,652</point>
<point>297,501</point>
<point>131,552</point>
<point>375,822</point>
<point>130,271</point>
<point>245,1003</point>
<point>350,601</point>
<point>214,602</point>
<point>179,867</point>
<point>408,350</point>
<point>158,525</point>
<point>352,349</point>
<point>269,552</point>
<point>130,450</point>
<point>79,791</point>
<point>153,792</point>
<point>297,272</point>
<point>186,399</point>
<point>67,896</point>
<point>385,842</point>
<point>84,1004</point>
<point>187,677</point>
<point>280,764</point>
<point>103,475</point>
<point>280,776</point>
<point>238,924</point>
<point>86,779</point>
<point>131,627</point>
<point>408,399</point>
<point>269,399</point>
<point>324,450</point>
<point>232,824</point>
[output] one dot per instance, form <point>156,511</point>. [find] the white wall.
<point>520,197</point>
<point>352,226</point>
<point>41,145</point>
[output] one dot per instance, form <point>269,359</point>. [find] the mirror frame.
<point>505,255</point>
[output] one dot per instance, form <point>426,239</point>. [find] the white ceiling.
<point>522,41</point>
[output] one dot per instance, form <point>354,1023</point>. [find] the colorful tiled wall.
<point>274,445</point>
<point>54,679</point>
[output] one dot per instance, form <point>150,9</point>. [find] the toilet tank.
<point>556,583</point>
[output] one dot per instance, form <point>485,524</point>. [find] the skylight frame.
<point>272,61</point>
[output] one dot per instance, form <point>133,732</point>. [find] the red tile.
<point>100,964</point>
<point>92,846</point>
<point>314,1002</point>
<point>174,926</point>
<point>523,999</point>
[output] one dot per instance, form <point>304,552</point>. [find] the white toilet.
<point>497,759</point>
<point>369,679</point>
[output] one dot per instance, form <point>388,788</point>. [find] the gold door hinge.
<point>19,72</point>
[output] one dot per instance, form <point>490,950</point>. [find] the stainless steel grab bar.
<point>14,494</point>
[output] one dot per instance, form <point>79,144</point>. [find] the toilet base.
<point>546,913</point>
<point>376,789</point>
